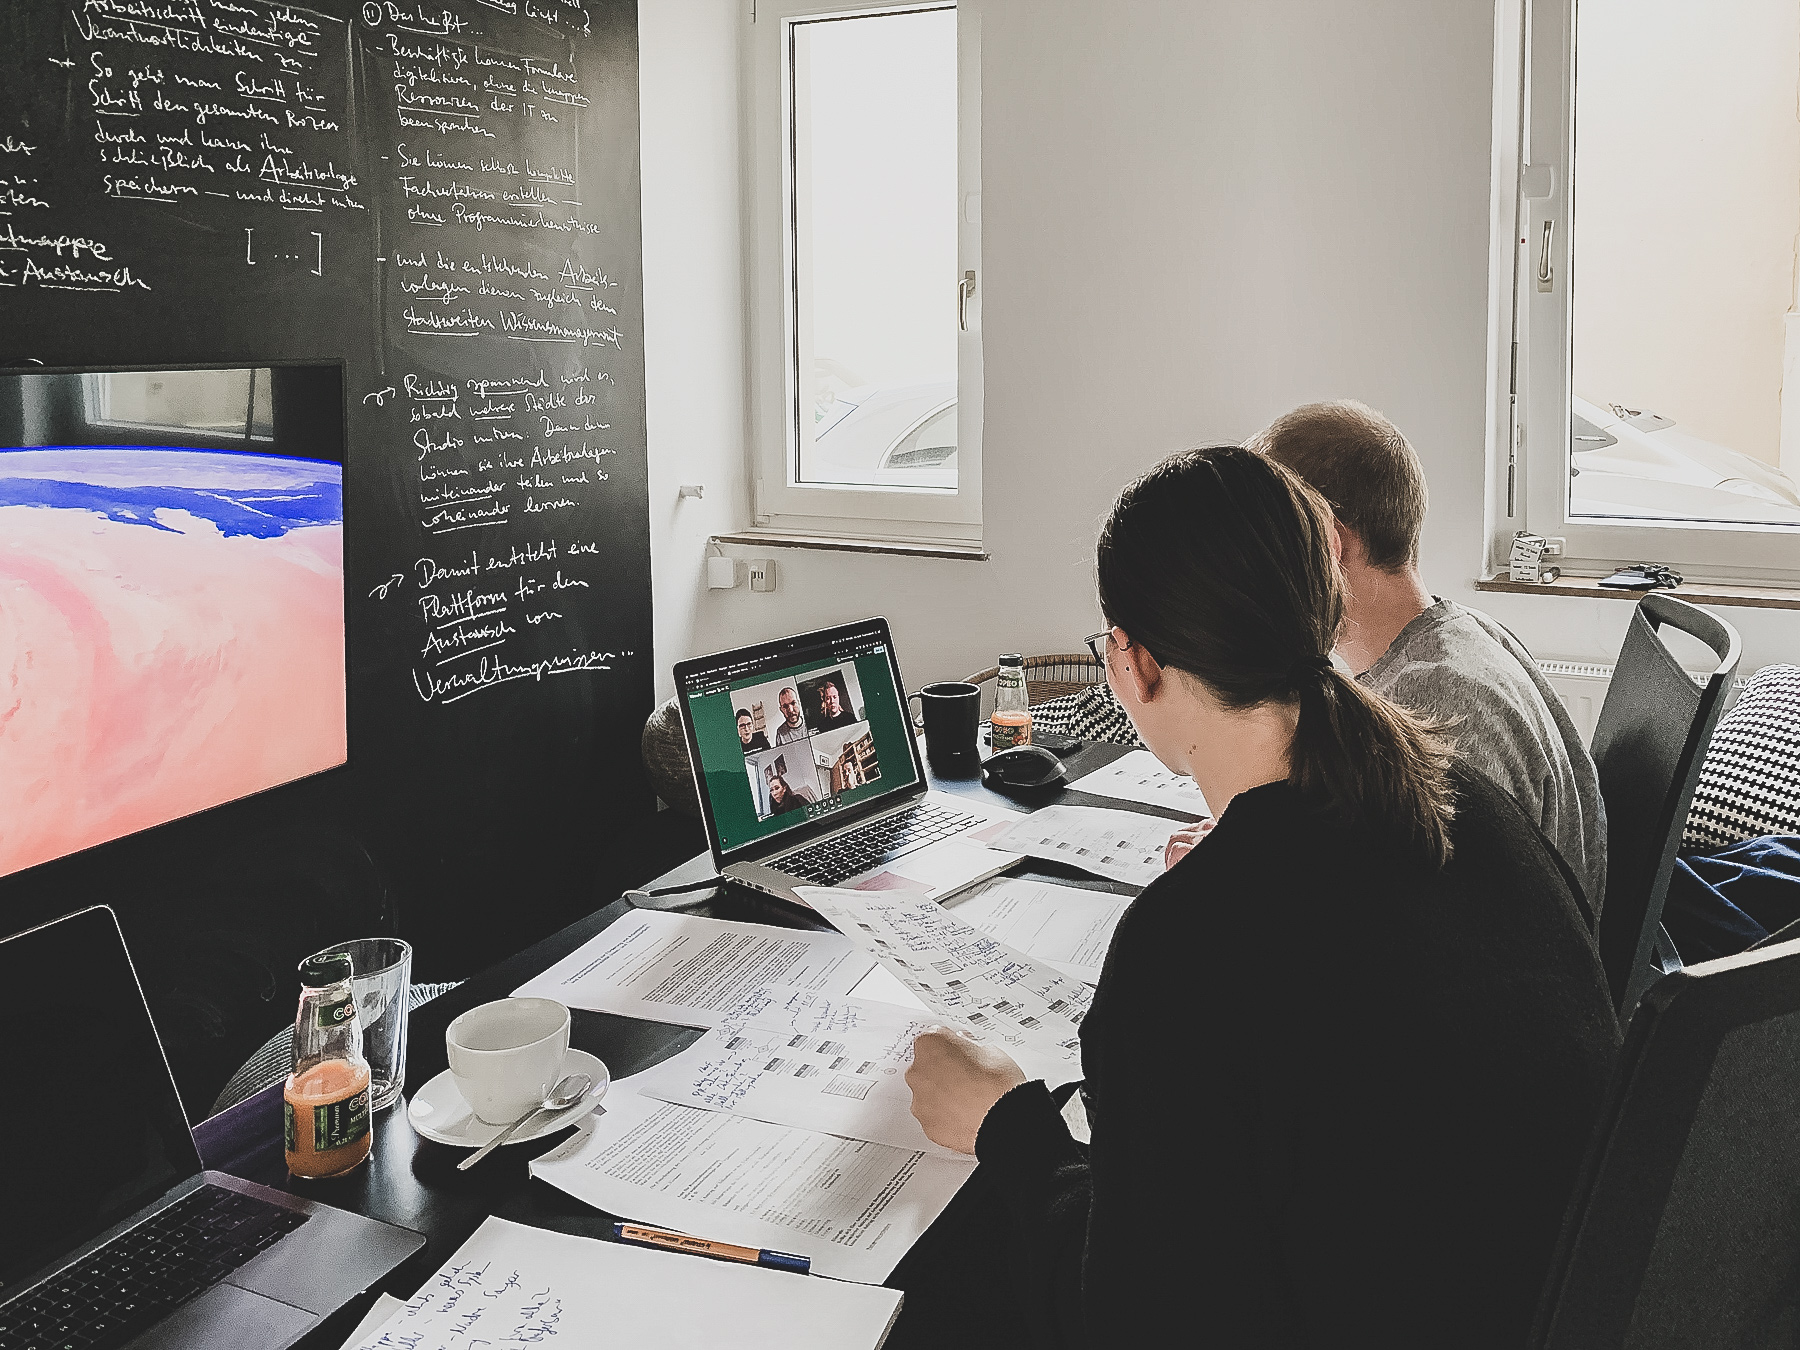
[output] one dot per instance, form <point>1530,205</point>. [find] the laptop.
<point>114,1234</point>
<point>809,773</point>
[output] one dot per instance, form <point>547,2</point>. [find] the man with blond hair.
<point>1443,661</point>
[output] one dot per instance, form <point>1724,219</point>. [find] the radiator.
<point>1582,688</point>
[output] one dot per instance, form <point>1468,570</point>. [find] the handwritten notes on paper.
<point>966,977</point>
<point>796,1058</point>
<point>1118,845</point>
<point>1062,926</point>
<point>692,971</point>
<point>512,1285</point>
<point>1140,777</point>
<point>853,1207</point>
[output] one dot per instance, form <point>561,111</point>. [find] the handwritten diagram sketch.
<point>965,976</point>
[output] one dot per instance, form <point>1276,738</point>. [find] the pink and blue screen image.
<point>171,636</point>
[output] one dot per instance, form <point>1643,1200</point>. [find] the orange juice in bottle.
<point>325,1104</point>
<point>1010,723</point>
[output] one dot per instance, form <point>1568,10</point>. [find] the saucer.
<point>439,1112</point>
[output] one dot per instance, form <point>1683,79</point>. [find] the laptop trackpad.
<point>228,1318</point>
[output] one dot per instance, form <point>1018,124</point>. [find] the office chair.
<point>1684,1228</point>
<point>1649,744</point>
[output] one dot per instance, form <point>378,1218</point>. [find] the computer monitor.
<point>171,595</point>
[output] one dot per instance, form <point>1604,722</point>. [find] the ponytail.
<point>1373,765</point>
<point>1219,563</point>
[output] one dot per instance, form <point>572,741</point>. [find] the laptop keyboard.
<point>837,859</point>
<point>131,1283</point>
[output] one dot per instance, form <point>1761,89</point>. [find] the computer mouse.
<point>1022,766</point>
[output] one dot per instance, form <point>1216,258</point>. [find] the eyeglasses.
<point>1096,643</point>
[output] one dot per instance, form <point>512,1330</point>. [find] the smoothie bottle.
<point>325,1105</point>
<point>1010,724</point>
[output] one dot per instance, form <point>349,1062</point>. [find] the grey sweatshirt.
<point>1458,666</point>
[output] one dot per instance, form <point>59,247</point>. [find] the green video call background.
<point>722,754</point>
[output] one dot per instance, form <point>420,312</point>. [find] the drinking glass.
<point>380,975</point>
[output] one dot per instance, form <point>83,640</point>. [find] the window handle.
<point>1546,275</point>
<point>965,292</point>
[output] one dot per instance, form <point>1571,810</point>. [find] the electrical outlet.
<point>762,574</point>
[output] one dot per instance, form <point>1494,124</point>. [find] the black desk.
<point>414,1182</point>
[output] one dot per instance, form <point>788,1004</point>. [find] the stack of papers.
<point>967,978</point>
<point>510,1284</point>
<point>1062,926</point>
<point>1118,845</point>
<point>852,1206</point>
<point>1140,777</point>
<point>795,1058</point>
<point>689,970</point>
<point>790,1127</point>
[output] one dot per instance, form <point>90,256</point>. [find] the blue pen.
<point>724,1251</point>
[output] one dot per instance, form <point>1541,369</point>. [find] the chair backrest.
<point>1046,677</point>
<point>1649,745</point>
<point>1684,1228</point>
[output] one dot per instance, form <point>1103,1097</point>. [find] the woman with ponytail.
<point>1345,1054</point>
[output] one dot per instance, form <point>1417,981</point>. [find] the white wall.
<point>694,320</point>
<point>1196,214</point>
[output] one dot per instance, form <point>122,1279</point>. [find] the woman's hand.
<point>1183,840</point>
<point>955,1081</point>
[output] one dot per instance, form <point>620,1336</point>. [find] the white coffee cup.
<point>506,1056</point>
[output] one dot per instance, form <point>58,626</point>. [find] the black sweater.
<point>1336,1098</point>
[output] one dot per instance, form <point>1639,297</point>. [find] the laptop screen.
<point>92,1129</point>
<point>791,731</point>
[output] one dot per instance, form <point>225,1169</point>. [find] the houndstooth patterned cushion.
<point>1091,715</point>
<point>1750,785</point>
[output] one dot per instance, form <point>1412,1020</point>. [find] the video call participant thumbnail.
<point>783,795</point>
<point>829,705</point>
<point>751,739</point>
<point>793,726</point>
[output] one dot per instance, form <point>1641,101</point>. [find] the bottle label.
<point>290,1133</point>
<point>1006,730</point>
<point>334,1012</point>
<point>340,1123</point>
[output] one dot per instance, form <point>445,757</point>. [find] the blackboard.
<point>443,196</point>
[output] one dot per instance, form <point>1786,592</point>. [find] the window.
<point>1654,390</point>
<point>230,404</point>
<point>864,234</point>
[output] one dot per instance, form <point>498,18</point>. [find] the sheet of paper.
<point>880,986</point>
<point>966,977</point>
<point>795,1058</point>
<point>385,1306</point>
<point>512,1285</point>
<point>851,1206</point>
<point>685,969</point>
<point>1062,926</point>
<point>1140,777</point>
<point>1067,928</point>
<point>1118,845</point>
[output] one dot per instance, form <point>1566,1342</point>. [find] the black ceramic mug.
<point>950,712</point>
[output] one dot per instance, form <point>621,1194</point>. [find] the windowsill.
<point>911,548</point>
<point>1695,592</point>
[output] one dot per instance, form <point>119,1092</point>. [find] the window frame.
<point>779,503</point>
<point>96,398</point>
<point>1535,71</point>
